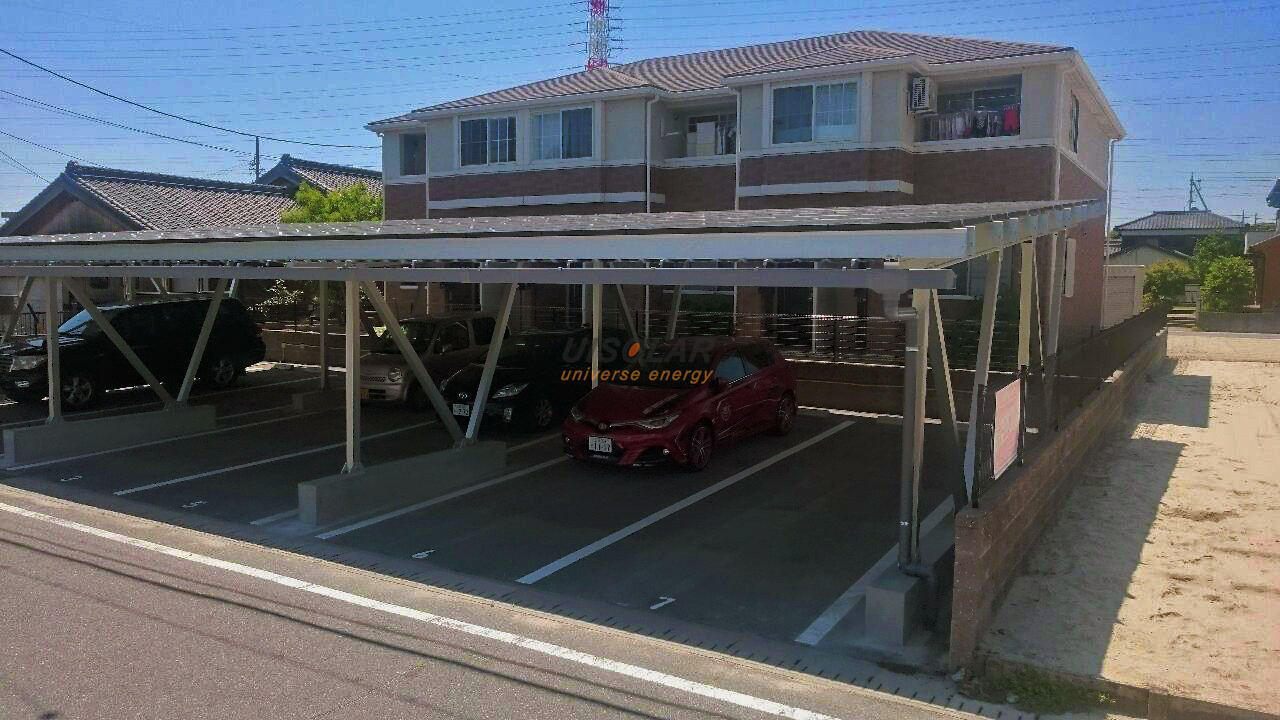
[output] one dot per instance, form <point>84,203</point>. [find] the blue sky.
<point>1196,83</point>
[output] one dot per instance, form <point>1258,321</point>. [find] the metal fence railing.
<point>1083,367</point>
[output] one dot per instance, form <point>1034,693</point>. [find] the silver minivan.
<point>446,343</point>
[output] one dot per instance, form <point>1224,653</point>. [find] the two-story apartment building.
<point>817,122</point>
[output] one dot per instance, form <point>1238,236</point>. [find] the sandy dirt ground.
<point>1163,568</point>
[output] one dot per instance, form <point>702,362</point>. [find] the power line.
<point>177,117</point>
<point>43,147</point>
<point>14,161</point>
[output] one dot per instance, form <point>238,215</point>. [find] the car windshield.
<point>521,350</point>
<point>80,325</point>
<point>419,334</point>
<point>670,365</point>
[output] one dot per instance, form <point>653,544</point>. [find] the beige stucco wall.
<point>1039,101</point>
<point>623,132</point>
<point>1093,138</point>
<point>441,155</point>
<point>750,124</point>
<point>889,122</point>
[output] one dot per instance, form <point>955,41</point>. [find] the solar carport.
<point>910,249</point>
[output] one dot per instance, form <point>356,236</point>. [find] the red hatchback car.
<point>681,401</point>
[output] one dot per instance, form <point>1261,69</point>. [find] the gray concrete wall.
<point>73,437</point>
<point>1261,322</point>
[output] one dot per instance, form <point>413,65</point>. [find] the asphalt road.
<point>109,616</point>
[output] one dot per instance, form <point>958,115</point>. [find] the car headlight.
<point>27,362</point>
<point>511,390</point>
<point>395,374</point>
<point>657,423</point>
<point>577,414</point>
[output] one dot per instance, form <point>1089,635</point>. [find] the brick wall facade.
<point>695,188</point>
<point>993,539</point>
<point>563,181</point>
<point>559,209</point>
<point>1082,313</point>
<point>1269,280</point>
<point>990,175</point>
<point>404,202</point>
<point>889,164</point>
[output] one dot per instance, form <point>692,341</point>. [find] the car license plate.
<point>600,444</point>
<point>462,410</point>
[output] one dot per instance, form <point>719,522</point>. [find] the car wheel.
<point>78,391</point>
<point>785,417</point>
<point>542,413</point>
<point>702,442</point>
<point>221,372</point>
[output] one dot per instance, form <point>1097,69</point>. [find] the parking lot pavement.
<point>769,554</point>
<point>511,529</point>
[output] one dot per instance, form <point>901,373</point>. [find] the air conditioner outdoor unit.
<point>924,95</point>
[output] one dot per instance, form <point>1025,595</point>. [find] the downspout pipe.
<point>648,153</point>
<point>737,146</point>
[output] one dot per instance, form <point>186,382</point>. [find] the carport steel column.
<point>982,366</point>
<point>353,325</point>
<point>913,397</point>
<point>202,340</point>
<point>324,334</point>
<point>53,292</point>
<point>415,363</point>
<point>14,316</point>
<point>490,364</point>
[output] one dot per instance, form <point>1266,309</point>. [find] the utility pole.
<point>257,159</point>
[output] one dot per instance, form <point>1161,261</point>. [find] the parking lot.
<point>774,540</point>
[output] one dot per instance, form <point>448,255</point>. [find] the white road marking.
<point>560,652</point>
<point>272,518</point>
<point>255,412</point>
<point>437,500</point>
<point>850,598</point>
<point>255,463</point>
<point>422,555</point>
<point>72,478</point>
<point>195,504</point>
<point>161,441</point>
<point>663,601</point>
<point>639,525</point>
<point>535,441</point>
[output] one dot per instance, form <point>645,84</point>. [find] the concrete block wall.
<point>993,539</point>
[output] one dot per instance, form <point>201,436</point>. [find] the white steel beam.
<point>597,313</point>
<point>490,363</point>
<point>820,244</point>
<point>673,319</point>
<point>52,349</point>
<point>202,340</point>
<point>1051,326</point>
<point>886,280</point>
<point>164,292</point>
<point>944,394</point>
<point>1026,288</point>
<point>411,357</point>
<point>982,367</point>
<point>323,296</point>
<point>16,315</point>
<point>78,290</point>
<point>625,308</point>
<point>913,411</point>
<point>351,308</point>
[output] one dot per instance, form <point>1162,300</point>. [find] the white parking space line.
<point>533,442</point>
<point>274,408</point>
<point>850,598</point>
<point>272,518</point>
<point>443,498</point>
<point>639,525</point>
<point>161,441</point>
<point>265,461</point>
<point>597,662</point>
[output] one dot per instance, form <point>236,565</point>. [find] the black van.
<point>163,334</point>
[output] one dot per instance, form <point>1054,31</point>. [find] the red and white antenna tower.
<point>598,34</point>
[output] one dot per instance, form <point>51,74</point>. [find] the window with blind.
<point>486,141</point>
<point>562,135</point>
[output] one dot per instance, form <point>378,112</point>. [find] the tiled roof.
<point>705,70</point>
<point>1181,220</point>
<point>325,176</point>
<point>1273,198</point>
<point>171,202</point>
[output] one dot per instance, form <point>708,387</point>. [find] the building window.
<point>488,140</point>
<point>712,135</point>
<point>805,113</point>
<point>413,154</point>
<point>562,134</point>
<point>990,111</point>
<point>1075,123</point>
